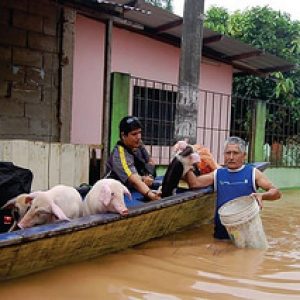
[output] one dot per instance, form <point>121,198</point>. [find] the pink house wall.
<point>144,57</point>
<point>139,56</point>
<point>88,77</point>
<point>147,58</point>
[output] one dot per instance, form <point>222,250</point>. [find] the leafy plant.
<point>271,31</point>
<point>274,32</point>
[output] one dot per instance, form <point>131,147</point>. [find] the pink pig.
<point>60,202</point>
<point>19,206</point>
<point>107,195</point>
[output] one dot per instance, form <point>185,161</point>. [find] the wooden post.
<point>106,103</point>
<point>66,73</point>
<point>189,71</point>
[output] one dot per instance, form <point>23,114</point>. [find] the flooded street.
<point>186,265</point>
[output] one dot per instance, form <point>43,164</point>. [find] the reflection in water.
<point>185,265</point>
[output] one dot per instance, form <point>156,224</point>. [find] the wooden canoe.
<point>27,251</point>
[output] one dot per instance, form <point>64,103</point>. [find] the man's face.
<point>233,157</point>
<point>133,139</point>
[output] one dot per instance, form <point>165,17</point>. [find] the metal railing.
<point>282,144</point>
<point>282,129</point>
<point>219,115</point>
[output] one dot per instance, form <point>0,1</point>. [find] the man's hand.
<point>153,195</point>
<point>258,198</point>
<point>148,180</point>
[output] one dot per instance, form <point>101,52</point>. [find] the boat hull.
<point>35,249</point>
<point>30,250</point>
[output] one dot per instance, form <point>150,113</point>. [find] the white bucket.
<point>241,218</point>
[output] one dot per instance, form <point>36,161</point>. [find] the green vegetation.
<point>272,31</point>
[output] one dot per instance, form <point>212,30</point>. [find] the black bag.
<point>14,181</point>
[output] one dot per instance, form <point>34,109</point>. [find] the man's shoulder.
<point>120,148</point>
<point>243,168</point>
<point>250,166</point>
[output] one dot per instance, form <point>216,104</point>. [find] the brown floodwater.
<point>185,265</point>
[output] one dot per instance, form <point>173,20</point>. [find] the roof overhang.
<point>152,21</point>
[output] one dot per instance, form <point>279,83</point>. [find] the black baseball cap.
<point>129,123</point>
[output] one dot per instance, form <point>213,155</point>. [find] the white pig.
<point>106,195</point>
<point>60,202</point>
<point>19,206</point>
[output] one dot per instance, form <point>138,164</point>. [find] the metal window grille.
<point>155,104</point>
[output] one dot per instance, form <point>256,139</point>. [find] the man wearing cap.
<point>130,162</point>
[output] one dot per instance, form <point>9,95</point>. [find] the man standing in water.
<point>234,180</point>
<point>130,162</point>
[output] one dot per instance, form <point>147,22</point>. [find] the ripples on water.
<point>186,265</point>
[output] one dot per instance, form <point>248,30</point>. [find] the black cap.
<point>128,124</point>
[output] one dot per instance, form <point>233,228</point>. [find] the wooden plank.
<point>82,164</point>
<point>67,164</point>
<point>20,152</point>
<point>51,164</point>
<point>6,151</point>
<point>54,164</point>
<point>38,164</point>
<point>105,138</point>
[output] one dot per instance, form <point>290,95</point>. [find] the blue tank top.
<point>230,185</point>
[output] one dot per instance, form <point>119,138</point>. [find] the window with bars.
<point>155,107</point>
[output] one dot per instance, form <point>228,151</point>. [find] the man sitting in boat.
<point>130,162</point>
<point>233,180</point>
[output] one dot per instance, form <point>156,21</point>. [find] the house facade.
<point>62,62</point>
<point>138,56</point>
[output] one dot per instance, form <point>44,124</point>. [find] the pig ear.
<point>105,194</point>
<point>35,194</point>
<point>31,196</point>
<point>57,211</point>
<point>126,192</point>
<point>9,204</point>
<point>28,199</point>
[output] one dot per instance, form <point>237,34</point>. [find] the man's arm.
<point>136,181</point>
<point>199,181</point>
<point>270,191</point>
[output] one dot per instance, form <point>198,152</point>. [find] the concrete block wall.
<point>29,69</point>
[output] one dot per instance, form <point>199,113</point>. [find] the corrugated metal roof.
<point>163,25</point>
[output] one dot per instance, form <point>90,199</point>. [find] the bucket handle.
<point>255,197</point>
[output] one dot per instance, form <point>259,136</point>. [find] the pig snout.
<point>24,224</point>
<point>20,225</point>
<point>119,207</point>
<point>124,212</point>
